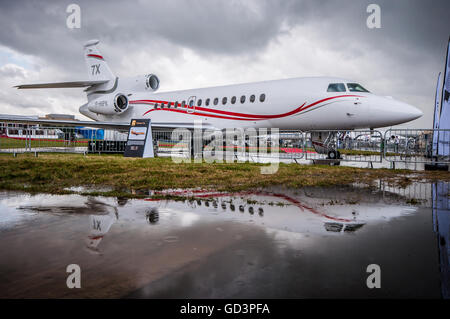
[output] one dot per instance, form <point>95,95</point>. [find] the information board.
<point>140,142</point>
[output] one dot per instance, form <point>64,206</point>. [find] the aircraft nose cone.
<point>387,112</point>
<point>399,112</point>
<point>409,112</point>
<point>415,113</point>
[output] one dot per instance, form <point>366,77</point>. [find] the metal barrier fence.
<point>175,142</point>
<point>364,146</point>
<point>394,146</point>
<point>352,146</point>
<point>416,146</point>
<point>240,145</point>
<point>23,138</point>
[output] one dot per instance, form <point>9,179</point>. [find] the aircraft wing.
<point>33,120</point>
<point>73,84</point>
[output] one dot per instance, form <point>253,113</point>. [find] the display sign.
<point>140,142</point>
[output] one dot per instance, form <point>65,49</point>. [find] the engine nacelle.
<point>109,105</point>
<point>148,82</point>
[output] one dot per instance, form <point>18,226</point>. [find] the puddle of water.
<point>272,243</point>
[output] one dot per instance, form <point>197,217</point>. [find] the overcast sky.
<point>191,44</point>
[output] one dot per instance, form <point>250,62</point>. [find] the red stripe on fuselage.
<point>204,114</point>
<point>244,117</point>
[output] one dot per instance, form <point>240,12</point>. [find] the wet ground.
<point>272,243</point>
<point>361,161</point>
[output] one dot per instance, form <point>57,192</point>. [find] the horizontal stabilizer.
<point>74,84</point>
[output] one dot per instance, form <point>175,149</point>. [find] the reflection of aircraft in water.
<point>152,216</point>
<point>441,221</point>
<point>101,224</point>
<point>286,211</point>
<point>280,211</point>
<point>339,227</point>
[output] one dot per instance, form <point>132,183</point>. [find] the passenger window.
<point>252,98</point>
<point>262,97</point>
<point>207,102</point>
<point>243,99</point>
<point>156,105</point>
<point>224,101</point>
<point>355,87</point>
<point>233,100</point>
<point>336,87</point>
<point>199,102</point>
<point>191,103</point>
<point>216,101</point>
<point>183,104</point>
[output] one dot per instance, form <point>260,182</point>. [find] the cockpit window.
<point>355,87</point>
<point>336,87</point>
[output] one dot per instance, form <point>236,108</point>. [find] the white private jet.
<point>313,103</point>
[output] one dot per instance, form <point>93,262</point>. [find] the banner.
<point>437,114</point>
<point>444,137</point>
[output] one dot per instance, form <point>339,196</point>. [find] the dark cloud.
<point>408,50</point>
<point>218,27</point>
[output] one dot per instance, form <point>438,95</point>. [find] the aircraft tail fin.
<point>98,69</point>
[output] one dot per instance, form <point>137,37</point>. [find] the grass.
<point>53,173</point>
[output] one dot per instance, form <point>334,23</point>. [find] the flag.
<point>437,114</point>
<point>444,122</point>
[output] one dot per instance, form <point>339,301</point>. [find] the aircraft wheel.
<point>338,154</point>
<point>332,155</point>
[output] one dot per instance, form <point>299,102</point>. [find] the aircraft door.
<point>190,105</point>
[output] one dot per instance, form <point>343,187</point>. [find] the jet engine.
<point>148,82</point>
<point>109,105</point>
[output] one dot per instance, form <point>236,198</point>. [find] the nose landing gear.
<point>324,142</point>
